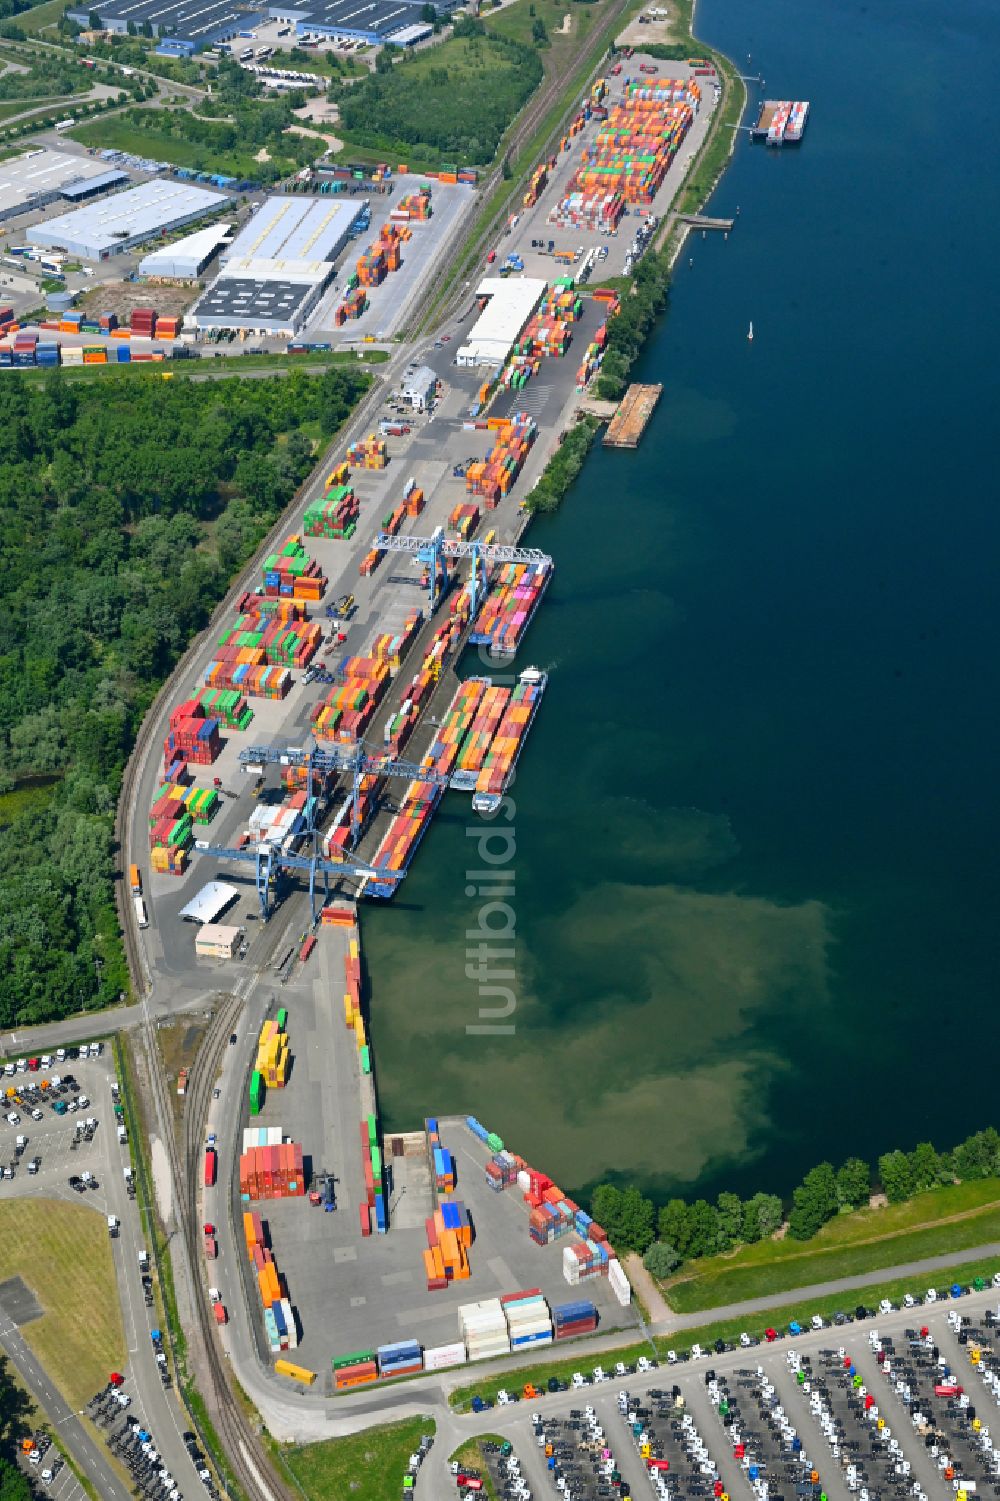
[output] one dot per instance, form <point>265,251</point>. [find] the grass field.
<point>121,135</point>
<point>40,16</point>
<point>366,1465</point>
<point>955,1218</point>
<point>516,21</point>
<point>63,1253</point>
<point>729,1330</point>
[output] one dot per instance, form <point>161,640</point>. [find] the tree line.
<point>679,1231</point>
<point>126,505</point>
<point>454,108</point>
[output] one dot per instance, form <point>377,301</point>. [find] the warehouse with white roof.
<point>38,178</point>
<point>185,259</point>
<point>125,220</point>
<point>511,303</point>
<point>278,267</point>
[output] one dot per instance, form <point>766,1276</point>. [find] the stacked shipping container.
<point>270,1171</point>
<point>279,1318</point>
<point>291,573</point>
<point>335,516</point>
<point>494,477</point>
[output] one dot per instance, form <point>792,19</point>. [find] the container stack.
<point>599,212</point>
<point>279,1318</point>
<point>477,742</point>
<point>272,627</point>
<point>193,737</point>
<point>273,1056</point>
<point>270,1170</point>
<point>638,141</point>
<point>257,1093</point>
<point>413,208</point>
<point>413,498</point>
<point>484,1329</point>
<point>449,1238</point>
<point>391,649</point>
<point>228,706</point>
<point>371,267</point>
<point>142,322</point>
<point>349,706</point>
<point>585,1259</point>
<point>536,185</point>
<point>571,1319</point>
<point>354,1370</point>
<point>335,516</point>
<point>528,1321</point>
<point>167,328</point>
<point>501,1171</point>
<point>619,1283</point>
<point>353,305</point>
<point>442,1162</point>
<point>464,519</point>
<point>374,1210</point>
<point>402,1359</point>
<point>368,453</point>
<point>291,573</point>
<point>494,477</point>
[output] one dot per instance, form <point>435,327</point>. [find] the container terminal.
<point>634,411</point>
<point>318,729</point>
<point>781,122</point>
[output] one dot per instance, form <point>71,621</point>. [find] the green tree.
<point>813,1202</point>
<point>674,1226</point>
<point>761,1217</point>
<point>730,1220</point>
<point>13,1484</point>
<point>896,1176</point>
<point>925,1166</point>
<point>979,1155</point>
<point>94,21</point>
<point>626,1215</point>
<point>853,1184</point>
<point>539,34</point>
<point>661,1259</point>
<point>704,1229</point>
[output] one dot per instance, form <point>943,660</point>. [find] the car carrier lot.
<point>765,1377</point>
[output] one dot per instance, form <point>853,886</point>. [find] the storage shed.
<point>217,941</point>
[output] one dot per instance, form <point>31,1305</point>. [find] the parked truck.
<point>211,1244</point>
<point>210,1164</point>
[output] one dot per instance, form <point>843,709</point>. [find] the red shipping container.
<point>366,1228</point>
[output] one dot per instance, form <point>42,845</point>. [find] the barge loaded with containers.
<point>781,122</point>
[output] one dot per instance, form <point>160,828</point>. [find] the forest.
<point>126,505</point>
<point>45,78</point>
<point>453,102</point>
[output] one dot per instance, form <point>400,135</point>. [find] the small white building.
<point>217,941</point>
<point>512,301</point>
<point>419,388</point>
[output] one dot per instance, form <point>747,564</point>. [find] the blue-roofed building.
<point>79,192</point>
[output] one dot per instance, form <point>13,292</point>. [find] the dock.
<point>634,411</point>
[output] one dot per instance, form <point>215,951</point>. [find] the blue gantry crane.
<point>269,863</point>
<point>433,551</point>
<point>354,761</point>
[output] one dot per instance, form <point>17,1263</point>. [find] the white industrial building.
<point>125,220</point>
<point>185,259</point>
<point>210,902</point>
<point>38,178</point>
<point>419,388</point>
<point>278,267</point>
<point>511,303</point>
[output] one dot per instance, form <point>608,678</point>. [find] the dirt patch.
<point>122,296</point>
<point>567,25</point>
<point>334,142</point>
<point>263,155</point>
<point>178,1043</point>
<point>656,28</point>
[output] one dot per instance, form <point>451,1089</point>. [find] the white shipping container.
<point>524,1182</point>
<point>274,1138</point>
<point>440,1357</point>
<point>619,1283</point>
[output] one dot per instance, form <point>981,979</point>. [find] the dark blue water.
<point>757,830</point>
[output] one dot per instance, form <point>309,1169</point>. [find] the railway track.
<point>475,244</point>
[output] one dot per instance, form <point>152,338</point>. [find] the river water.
<point>756,867</point>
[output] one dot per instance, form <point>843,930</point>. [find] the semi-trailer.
<point>210,1165</point>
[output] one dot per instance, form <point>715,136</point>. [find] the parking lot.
<point>892,1406</point>
<point>78,1139</point>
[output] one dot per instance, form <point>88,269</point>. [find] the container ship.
<point>509,608</point>
<point>499,763</point>
<point>797,120</point>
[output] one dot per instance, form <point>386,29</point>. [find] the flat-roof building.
<point>279,265</point>
<point>125,220</point>
<point>188,25</point>
<point>501,323</point>
<point>210,902</point>
<point>38,178</point>
<point>185,259</point>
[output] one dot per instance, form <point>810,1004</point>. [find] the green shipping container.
<point>376,1165</point>
<point>366,1066</point>
<point>256,1093</point>
<point>372,1133</point>
<point>360,1357</point>
<point>282,1020</point>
